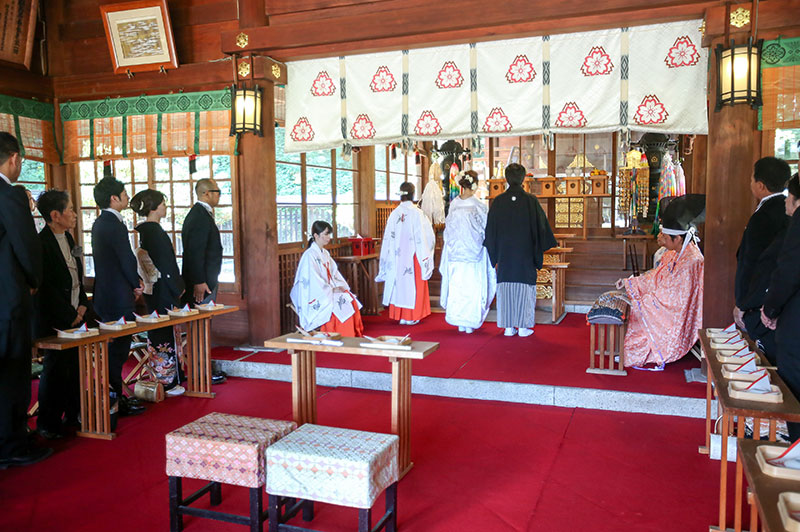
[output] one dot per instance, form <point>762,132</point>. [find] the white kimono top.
<point>408,233</point>
<point>469,282</point>
<point>313,291</point>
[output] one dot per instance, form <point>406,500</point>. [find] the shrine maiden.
<point>667,301</point>
<point>320,293</point>
<point>406,261</point>
<point>468,280</point>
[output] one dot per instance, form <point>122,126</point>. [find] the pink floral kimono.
<point>666,309</point>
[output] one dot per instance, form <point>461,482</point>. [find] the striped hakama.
<point>516,305</point>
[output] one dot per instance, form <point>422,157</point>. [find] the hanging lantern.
<point>739,73</point>
<point>246,110</point>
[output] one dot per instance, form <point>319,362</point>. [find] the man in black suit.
<point>21,272</point>
<point>202,247</point>
<point>781,310</point>
<point>767,184</point>
<point>62,305</point>
<point>116,281</point>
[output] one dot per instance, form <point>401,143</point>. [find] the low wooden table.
<point>93,363</point>
<point>360,271</point>
<point>788,410</point>
<point>304,381</point>
<point>764,488</point>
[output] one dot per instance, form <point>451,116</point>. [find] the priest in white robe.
<point>320,294</point>
<point>468,280</point>
<point>406,261</point>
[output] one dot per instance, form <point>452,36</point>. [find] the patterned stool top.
<point>224,448</point>
<point>337,466</point>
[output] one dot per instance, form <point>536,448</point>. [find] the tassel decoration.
<point>107,169</point>
<point>192,164</point>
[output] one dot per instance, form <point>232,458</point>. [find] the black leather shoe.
<point>49,434</point>
<point>126,408</point>
<point>29,456</point>
<point>218,377</point>
<point>133,401</point>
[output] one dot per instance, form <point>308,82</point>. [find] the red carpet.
<point>479,466</point>
<point>555,355</point>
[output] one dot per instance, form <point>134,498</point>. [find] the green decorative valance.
<point>27,108</point>
<point>780,53</point>
<point>182,102</point>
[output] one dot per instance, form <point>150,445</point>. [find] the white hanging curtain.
<point>510,87</point>
<point>439,92</point>
<point>650,78</point>
<point>584,82</point>
<point>313,105</point>
<point>668,76</point>
<point>374,97</point>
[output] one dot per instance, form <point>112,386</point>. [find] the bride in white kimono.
<point>406,261</point>
<point>320,294</point>
<point>469,282</point>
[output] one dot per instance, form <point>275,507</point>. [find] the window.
<point>787,146</point>
<point>391,173</point>
<point>318,185</point>
<point>171,176</point>
<point>33,178</point>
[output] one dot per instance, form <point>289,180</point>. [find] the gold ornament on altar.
<point>702,29</point>
<point>740,17</point>
<point>276,71</point>
<point>242,39</point>
<point>244,69</point>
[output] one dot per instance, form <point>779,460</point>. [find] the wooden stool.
<point>221,448</point>
<point>140,352</point>
<point>607,342</point>
<point>335,466</point>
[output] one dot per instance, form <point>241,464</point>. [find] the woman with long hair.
<point>320,294</point>
<point>468,280</point>
<point>165,286</point>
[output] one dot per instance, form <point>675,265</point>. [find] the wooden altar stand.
<point>551,281</point>
<point>304,381</point>
<point>740,410</point>
<point>93,363</point>
<point>360,271</point>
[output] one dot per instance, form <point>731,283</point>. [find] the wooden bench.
<point>607,349</point>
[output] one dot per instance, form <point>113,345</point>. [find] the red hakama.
<point>352,327</point>
<point>422,300</point>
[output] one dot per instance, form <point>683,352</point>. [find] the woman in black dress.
<point>166,290</point>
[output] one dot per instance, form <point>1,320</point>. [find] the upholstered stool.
<point>336,466</point>
<point>221,448</point>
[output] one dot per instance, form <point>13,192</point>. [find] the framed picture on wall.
<point>139,36</point>
<point>19,27</point>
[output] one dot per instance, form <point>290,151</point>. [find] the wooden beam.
<point>365,190</point>
<point>25,84</point>
<point>426,24</point>
<point>772,15</point>
<point>198,76</point>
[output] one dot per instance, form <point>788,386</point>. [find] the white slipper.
<point>525,332</point>
<point>510,331</point>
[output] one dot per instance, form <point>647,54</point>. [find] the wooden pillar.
<point>257,188</point>
<point>367,221</point>
<point>733,147</point>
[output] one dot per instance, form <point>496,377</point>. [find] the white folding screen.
<point>640,78</point>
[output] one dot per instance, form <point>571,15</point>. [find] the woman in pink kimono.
<point>667,301</point>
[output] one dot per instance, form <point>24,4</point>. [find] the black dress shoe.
<point>218,377</point>
<point>49,434</point>
<point>132,401</point>
<point>29,456</point>
<point>127,408</point>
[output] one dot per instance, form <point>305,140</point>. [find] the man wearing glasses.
<point>202,247</point>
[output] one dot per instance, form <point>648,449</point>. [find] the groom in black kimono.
<point>517,235</point>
